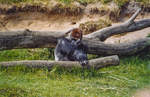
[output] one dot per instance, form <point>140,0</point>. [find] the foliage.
<point>119,81</point>
<point>120,3</point>
<point>12,1</point>
<point>105,1</point>
<point>22,1</point>
<point>67,2</point>
<point>143,1</point>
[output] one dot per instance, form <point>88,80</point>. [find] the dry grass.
<point>91,26</point>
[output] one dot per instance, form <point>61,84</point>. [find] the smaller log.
<point>94,63</point>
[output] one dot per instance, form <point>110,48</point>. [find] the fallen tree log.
<point>33,39</point>
<point>94,63</point>
<point>130,48</point>
<point>105,33</point>
<point>128,26</point>
<point>48,39</point>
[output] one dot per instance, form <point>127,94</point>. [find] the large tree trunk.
<point>94,63</point>
<point>36,39</point>
<point>100,48</point>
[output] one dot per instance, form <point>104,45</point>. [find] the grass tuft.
<point>91,26</point>
<point>120,3</point>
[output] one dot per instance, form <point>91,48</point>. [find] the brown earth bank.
<point>58,17</point>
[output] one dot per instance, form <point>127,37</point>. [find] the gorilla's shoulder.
<point>64,41</point>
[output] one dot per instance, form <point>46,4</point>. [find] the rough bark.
<point>94,63</point>
<point>28,39</point>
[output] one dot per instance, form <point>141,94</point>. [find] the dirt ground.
<point>40,21</point>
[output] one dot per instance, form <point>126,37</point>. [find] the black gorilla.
<point>70,49</point>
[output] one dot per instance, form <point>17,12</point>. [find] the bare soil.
<point>40,21</point>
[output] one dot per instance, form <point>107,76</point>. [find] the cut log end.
<point>94,63</point>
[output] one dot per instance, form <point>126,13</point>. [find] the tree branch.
<point>131,20</point>
<point>128,26</point>
<point>94,63</point>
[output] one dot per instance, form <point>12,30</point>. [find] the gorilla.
<point>71,48</point>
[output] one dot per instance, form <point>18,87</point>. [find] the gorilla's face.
<point>76,34</point>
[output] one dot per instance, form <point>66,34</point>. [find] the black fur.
<point>71,50</point>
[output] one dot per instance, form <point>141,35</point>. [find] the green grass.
<point>26,54</point>
<point>64,1</point>
<point>119,2</point>
<point>24,1</point>
<point>119,81</point>
<point>143,1</point>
